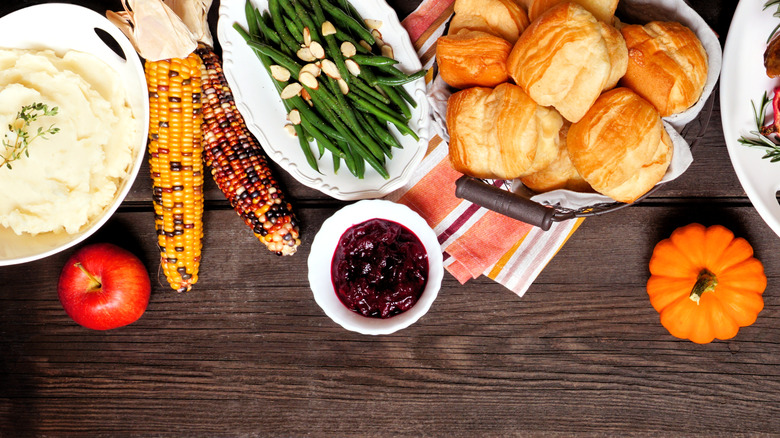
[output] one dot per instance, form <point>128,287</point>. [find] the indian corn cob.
<point>177,165</point>
<point>239,166</point>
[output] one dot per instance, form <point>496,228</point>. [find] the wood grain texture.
<point>249,353</point>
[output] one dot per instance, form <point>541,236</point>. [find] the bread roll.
<point>502,18</point>
<point>560,174</point>
<point>500,133</point>
<point>620,147</point>
<point>603,10</point>
<point>566,58</point>
<point>667,65</point>
<point>472,58</point>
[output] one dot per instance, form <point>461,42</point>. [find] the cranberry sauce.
<point>379,268</point>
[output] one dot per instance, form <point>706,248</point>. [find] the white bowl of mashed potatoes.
<point>67,183</point>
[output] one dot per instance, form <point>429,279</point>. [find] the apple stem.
<point>95,282</point>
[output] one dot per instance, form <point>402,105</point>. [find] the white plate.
<point>324,246</point>
<point>743,78</point>
<point>259,103</point>
<point>63,27</point>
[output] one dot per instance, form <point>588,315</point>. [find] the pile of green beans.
<point>352,127</point>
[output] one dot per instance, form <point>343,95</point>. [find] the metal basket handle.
<point>504,202</point>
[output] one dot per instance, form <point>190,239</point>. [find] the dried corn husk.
<point>194,14</point>
<point>155,30</point>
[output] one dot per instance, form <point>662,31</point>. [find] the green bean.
<point>374,60</point>
<point>251,18</point>
<point>322,140</point>
<point>383,133</point>
<point>288,41</point>
<point>371,128</point>
<point>405,95</point>
<point>357,94</point>
<point>306,148</point>
<point>265,29</point>
<point>400,81</point>
<point>359,83</point>
<point>346,20</point>
<point>331,46</point>
<point>351,138</point>
<point>346,111</point>
<point>336,164</point>
<point>305,18</point>
<point>391,70</point>
<point>397,100</point>
<point>362,105</point>
<point>295,31</point>
<point>350,9</point>
<point>278,57</point>
<point>315,120</point>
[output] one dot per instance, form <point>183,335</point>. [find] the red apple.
<point>103,286</point>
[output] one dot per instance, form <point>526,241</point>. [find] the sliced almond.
<point>314,69</point>
<point>294,117</point>
<point>329,68</point>
<point>328,28</point>
<point>305,54</point>
<point>373,24</point>
<point>291,90</point>
<point>387,51</point>
<point>290,130</point>
<point>348,49</point>
<point>378,37</point>
<point>365,45</point>
<point>343,86</point>
<point>306,36</point>
<point>280,73</point>
<point>317,50</point>
<point>308,80</point>
<point>306,96</point>
<point>353,67</point>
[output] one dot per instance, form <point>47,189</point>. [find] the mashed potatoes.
<point>72,176</point>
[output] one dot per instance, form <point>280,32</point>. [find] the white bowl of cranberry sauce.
<point>375,267</point>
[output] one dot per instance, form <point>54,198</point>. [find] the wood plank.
<point>249,351</point>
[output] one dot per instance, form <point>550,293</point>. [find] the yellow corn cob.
<point>177,165</point>
<point>239,166</point>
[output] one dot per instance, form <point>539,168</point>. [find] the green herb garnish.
<point>18,129</point>
<point>762,137</point>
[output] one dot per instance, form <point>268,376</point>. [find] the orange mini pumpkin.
<point>705,283</point>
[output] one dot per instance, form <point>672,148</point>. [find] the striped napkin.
<point>475,241</point>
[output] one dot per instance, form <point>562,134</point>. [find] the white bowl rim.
<point>57,16</point>
<point>324,246</point>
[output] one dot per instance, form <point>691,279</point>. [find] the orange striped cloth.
<point>475,241</point>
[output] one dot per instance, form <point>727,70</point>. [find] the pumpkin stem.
<point>705,282</point>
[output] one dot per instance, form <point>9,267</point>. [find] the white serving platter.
<point>744,79</point>
<point>62,27</point>
<point>262,108</point>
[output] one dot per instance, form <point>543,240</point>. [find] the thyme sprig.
<point>17,139</point>
<point>761,140</point>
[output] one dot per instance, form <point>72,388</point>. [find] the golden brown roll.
<point>472,59</point>
<point>502,18</point>
<point>620,147</point>
<point>560,174</point>
<point>667,65</point>
<point>566,58</point>
<point>500,133</point>
<point>603,10</point>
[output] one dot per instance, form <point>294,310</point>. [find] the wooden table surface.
<point>248,351</point>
